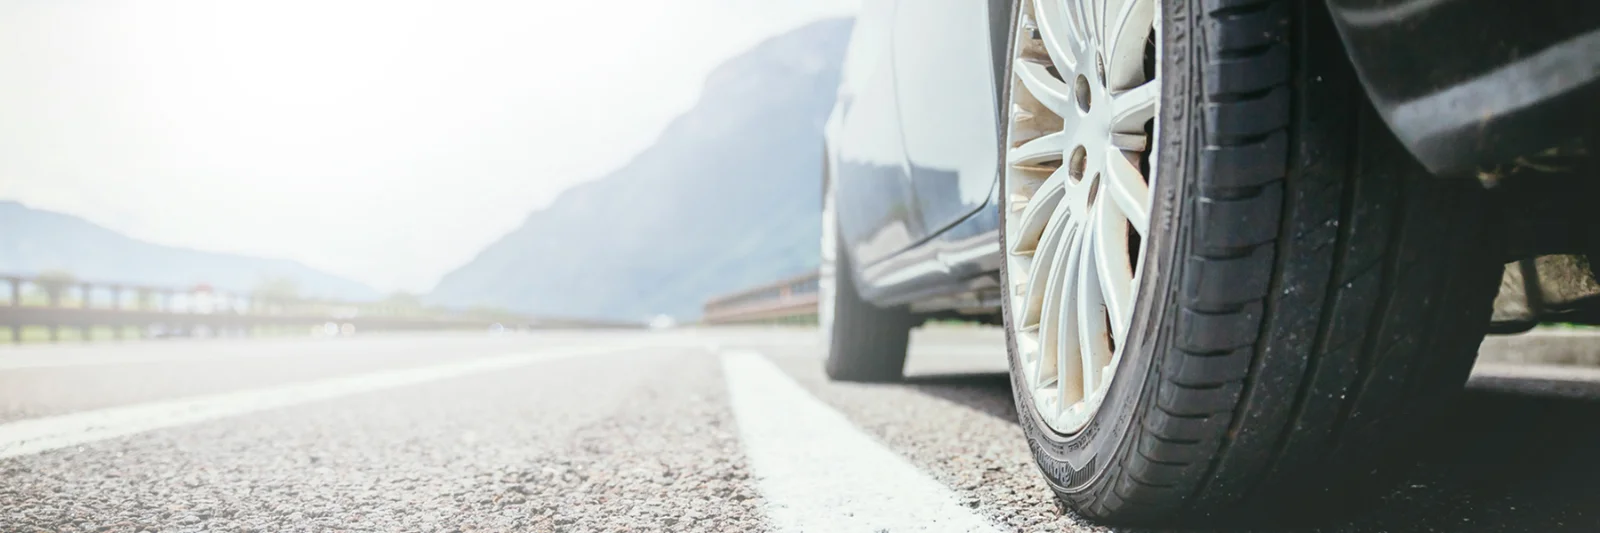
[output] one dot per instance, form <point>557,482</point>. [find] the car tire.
<point>1311,298</point>
<point>865,342</point>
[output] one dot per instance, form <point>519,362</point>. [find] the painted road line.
<point>818,472</point>
<point>33,361</point>
<point>229,350</point>
<point>36,435</point>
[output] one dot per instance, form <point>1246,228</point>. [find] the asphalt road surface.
<point>696,430</point>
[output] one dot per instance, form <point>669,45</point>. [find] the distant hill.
<point>33,240</point>
<point>727,198</point>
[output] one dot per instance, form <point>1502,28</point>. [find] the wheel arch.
<point>842,258</point>
<point>1001,16</point>
<point>1530,87</point>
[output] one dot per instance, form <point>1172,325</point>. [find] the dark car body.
<point>914,141</point>
<point>1469,83</point>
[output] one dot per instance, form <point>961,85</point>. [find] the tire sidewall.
<point>1077,464</point>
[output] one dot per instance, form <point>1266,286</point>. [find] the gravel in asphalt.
<point>644,438</point>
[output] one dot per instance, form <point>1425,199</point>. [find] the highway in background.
<point>731,429</point>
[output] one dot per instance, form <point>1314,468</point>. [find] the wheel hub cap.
<point>1084,96</point>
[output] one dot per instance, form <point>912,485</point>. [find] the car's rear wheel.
<point>1229,289</point>
<point>864,342</point>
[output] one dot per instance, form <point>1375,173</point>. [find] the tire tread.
<point>1296,355</point>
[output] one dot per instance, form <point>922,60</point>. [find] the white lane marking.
<point>36,435</point>
<point>52,361</point>
<point>818,472</point>
<point>227,350</point>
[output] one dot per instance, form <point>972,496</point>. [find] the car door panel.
<point>875,202</point>
<point>945,101</point>
<point>945,95</point>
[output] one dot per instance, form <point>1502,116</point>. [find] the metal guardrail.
<point>55,304</point>
<point>788,300</point>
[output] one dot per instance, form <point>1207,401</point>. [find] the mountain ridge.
<point>726,198</point>
<point>51,240</point>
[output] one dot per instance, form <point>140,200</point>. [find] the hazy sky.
<point>384,140</point>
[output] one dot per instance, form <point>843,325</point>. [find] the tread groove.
<point>1181,417</point>
<point>1244,96</point>
<point>1160,462</point>
<point>1228,252</point>
<point>1319,347</point>
<point>1163,486</point>
<point>1391,267</point>
<point>1234,193</point>
<point>1241,140</point>
<point>1204,387</point>
<point>1245,53</point>
<point>1174,440</point>
<point>1223,140</point>
<point>1205,353</point>
<point>1238,10</point>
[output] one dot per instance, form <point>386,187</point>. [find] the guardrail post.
<point>142,302</point>
<point>86,292</point>
<point>16,301</point>
<point>247,312</point>
<point>53,296</point>
<point>116,305</point>
<point>228,305</point>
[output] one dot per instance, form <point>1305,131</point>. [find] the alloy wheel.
<point>1078,175</point>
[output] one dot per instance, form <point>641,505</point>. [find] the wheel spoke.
<point>1126,29</point>
<point>1092,340</point>
<point>1112,268</point>
<point>1055,28</point>
<point>1101,9</point>
<point>1130,109</point>
<point>1047,89</point>
<point>1038,151</point>
<point>1053,338</point>
<point>1069,371</point>
<point>1041,207</point>
<point>1097,9</point>
<point>1041,267</point>
<point>1126,186</point>
<point>1083,20</point>
<point>1028,350</point>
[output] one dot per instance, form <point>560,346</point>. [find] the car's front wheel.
<point>1230,291</point>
